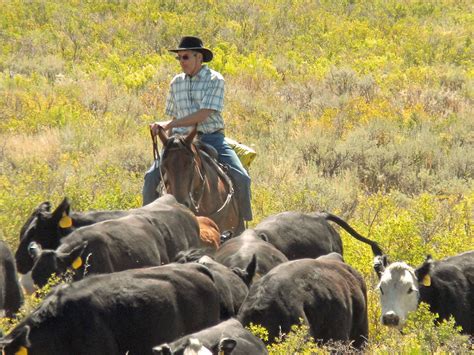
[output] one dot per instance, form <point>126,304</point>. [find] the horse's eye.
<point>381,291</point>
<point>410,290</point>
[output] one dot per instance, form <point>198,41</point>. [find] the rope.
<point>155,145</point>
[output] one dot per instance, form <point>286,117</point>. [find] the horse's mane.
<point>206,148</point>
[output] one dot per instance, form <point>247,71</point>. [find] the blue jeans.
<point>227,156</point>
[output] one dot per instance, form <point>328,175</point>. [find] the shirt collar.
<point>200,73</point>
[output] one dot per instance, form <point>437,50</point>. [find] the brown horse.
<point>196,180</point>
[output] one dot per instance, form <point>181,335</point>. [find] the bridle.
<point>196,166</point>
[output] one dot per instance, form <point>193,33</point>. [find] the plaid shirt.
<point>188,94</point>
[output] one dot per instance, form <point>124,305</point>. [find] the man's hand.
<point>154,127</point>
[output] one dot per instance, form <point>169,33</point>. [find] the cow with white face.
<point>225,338</point>
<point>447,286</point>
<point>398,294</point>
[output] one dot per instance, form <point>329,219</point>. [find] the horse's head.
<point>180,168</point>
<point>197,181</point>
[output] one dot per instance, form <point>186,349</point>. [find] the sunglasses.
<point>184,57</point>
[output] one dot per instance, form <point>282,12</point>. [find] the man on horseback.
<point>196,97</point>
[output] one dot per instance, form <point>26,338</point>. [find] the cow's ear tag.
<point>77,263</point>
<point>426,281</point>
<point>22,351</point>
<point>65,221</point>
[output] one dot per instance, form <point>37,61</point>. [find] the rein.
<point>156,154</point>
<point>197,204</point>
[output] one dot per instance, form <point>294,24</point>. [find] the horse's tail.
<point>374,245</point>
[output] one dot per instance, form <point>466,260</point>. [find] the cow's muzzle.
<point>390,319</point>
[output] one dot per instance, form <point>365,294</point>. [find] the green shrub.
<point>422,334</point>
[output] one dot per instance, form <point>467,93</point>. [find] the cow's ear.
<point>251,269</point>
<point>61,215</point>
<point>422,273</point>
<point>226,345</point>
<point>43,212</point>
<point>163,349</point>
<point>248,274</point>
<point>380,263</point>
<point>74,257</point>
<point>44,207</point>
<point>206,271</point>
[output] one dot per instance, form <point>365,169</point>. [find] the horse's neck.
<point>206,148</point>
<point>211,165</point>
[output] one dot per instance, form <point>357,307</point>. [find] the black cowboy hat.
<point>189,43</point>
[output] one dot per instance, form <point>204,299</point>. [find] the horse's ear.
<point>189,138</point>
<point>162,134</point>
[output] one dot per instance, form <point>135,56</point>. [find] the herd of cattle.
<point>158,280</point>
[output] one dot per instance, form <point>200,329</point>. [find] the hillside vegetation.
<point>360,108</point>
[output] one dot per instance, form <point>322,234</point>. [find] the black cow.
<point>239,252</point>
<point>152,237</point>
<point>446,285</point>
<point>11,295</point>
<point>129,311</point>
<point>306,235</point>
<point>247,255</point>
<point>326,293</point>
<point>228,337</point>
<point>230,284</point>
<point>47,228</point>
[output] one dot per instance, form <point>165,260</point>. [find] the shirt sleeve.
<point>170,106</point>
<point>213,98</point>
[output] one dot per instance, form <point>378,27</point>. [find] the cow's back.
<point>128,311</point>
<point>114,245</point>
<point>177,226</point>
<point>239,251</point>
<point>232,289</point>
<point>176,223</point>
<point>329,296</point>
<point>151,236</point>
<point>300,235</point>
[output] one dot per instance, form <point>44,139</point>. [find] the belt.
<point>221,130</point>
